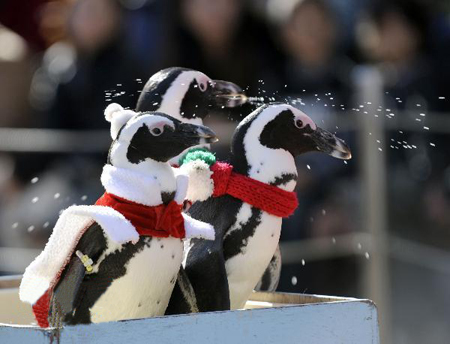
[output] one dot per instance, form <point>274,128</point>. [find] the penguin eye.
<point>203,86</point>
<point>156,131</point>
<point>299,123</point>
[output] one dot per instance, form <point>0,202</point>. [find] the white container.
<point>268,318</point>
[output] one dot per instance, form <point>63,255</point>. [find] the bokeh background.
<point>375,72</point>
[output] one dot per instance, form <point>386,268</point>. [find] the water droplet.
<point>294,280</point>
<point>35,200</point>
<point>432,144</point>
<point>359,246</point>
<point>367,255</point>
<point>46,224</point>
<point>34,180</point>
<point>422,114</point>
<point>30,229</point>
<point>324,212</point>
<point>441,98</point>
<point>15,225</point>
<point>333,240</point>
<point>308,167</point>
<point>303,262</point>
<point>380,149</point>
<point>57,195</point>
<point>84,197</point>
<point>426,128</point>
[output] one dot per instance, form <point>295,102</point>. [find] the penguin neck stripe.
<point>268,198</point>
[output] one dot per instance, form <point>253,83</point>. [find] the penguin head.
<point>277,130</point>
<point>150,136</point>
<point>187,95</point>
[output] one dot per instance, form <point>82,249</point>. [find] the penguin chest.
<point>245,269</point>
<point>144,290</point>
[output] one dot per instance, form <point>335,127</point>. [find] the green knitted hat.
<point>198,154</point>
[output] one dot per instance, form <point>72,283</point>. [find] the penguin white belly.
<point>245,269</point>
<point>145,289</point>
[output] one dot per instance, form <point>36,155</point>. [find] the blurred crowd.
<point>63,61</point>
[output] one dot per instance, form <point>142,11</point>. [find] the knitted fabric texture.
<point>198,154</point>
<point>41,308</point>
<point>263,196</point>
<point>159,221</point>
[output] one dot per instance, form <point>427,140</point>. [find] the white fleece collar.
<point>131,185</point>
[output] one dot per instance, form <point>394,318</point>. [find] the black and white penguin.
<point>112,260</point>
<point>263,149</point>
<point>187,95</point>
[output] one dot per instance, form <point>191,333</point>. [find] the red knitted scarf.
<point>159,221</point>
<point>263,196</point>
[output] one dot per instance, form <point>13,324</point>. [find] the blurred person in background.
<point>316,78</point>
<point>86,66</point>
<point>309,37</point>
<point>225,40</point>
<point>396,36</point>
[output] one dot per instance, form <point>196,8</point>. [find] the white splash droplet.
<point>30,229</point>
<point>34,180</point>
<point>84,197</point>
<point>15,225</point>
<point>35,200</point>
<point>294,280</point>
<point>57,195</point>
<point>303,262</point>
<point>46,224</point>
<point>367,255</point>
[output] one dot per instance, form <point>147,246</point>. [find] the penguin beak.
<point>198,133</point>
<point>228,94</point>
<point>328,143</point>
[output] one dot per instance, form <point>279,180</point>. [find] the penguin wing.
<point>183,299</point>
<point>205,262</point>
<point>68,292</point>
<point>205,267</point>
<point>271,277</point>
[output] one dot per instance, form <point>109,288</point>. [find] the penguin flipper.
<point>271,277</point>
<point>205,267</point>
<point>68,293</point>
<point>183,299</point>
<point>205,262</point>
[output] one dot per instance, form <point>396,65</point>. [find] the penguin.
<point>263,149</point>
<point>188,95</point>
<point>119,259</point>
